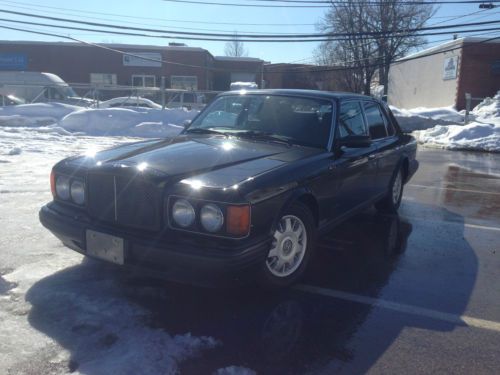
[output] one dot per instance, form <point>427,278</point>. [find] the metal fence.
<point>92,95</point>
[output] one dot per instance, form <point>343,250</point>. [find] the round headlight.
<point>62,187</point>
<point>78,192</point>
<point>183,213</point>
<point>211,217</point>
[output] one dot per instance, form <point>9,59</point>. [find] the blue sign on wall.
<point>13,61</point>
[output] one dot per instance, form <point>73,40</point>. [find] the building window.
<point>103,78</point>
<point>142,80</point>
<point>184,82</point>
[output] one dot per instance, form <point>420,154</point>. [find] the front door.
<point>356,167</point>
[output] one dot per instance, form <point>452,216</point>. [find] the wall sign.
<point>143,59</point>
<point>450,68</point>
<point>13,61</point>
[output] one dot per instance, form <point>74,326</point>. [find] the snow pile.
<point>66,120</point>
<point>488,108</point>
<point>483,134</point>
<point>33,115</point>
<point>424,118</point>
<point>137,122</point>
<point>475,136</point>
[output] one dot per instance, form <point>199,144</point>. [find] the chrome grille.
<point>128,201</point>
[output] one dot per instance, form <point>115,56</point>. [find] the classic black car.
<point>241,194</point>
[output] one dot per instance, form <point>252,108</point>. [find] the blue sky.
<point>164,14</point>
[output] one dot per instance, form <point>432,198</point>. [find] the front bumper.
<point>189,261</point>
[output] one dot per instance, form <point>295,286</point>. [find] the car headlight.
<point>183,213</point>
<point>78,192</point>
<point>211,217</point>
<point>62,187</point>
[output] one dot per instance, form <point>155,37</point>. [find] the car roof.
<point>308,93</point>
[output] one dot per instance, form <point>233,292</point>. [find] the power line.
<point>9,2</point>
<point>230,37</point>
<point>343,38</point>
<point>366,2</point>
<point>169,20</point>
<point>319,69</point>
<point>250,32</point>
<point>140,23</point>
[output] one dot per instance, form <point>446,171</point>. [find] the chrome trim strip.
<point>114,187</point>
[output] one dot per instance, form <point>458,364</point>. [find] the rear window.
<point>376,121</point>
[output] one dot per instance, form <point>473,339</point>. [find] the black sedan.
<point>241,194</point>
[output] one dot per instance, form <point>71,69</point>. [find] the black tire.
<point>390,203</point>
<point>265,277</point>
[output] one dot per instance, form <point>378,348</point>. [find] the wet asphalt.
<point>417,292</point>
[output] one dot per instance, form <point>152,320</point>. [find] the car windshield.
<point>301,121</point>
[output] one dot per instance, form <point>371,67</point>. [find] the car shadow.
<point>93,308</point>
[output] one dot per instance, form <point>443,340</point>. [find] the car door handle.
<point>372,156</point>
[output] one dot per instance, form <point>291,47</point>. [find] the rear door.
<point>384,137</point>
<point>356,167</point>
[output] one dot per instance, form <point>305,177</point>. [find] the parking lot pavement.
<point>414,293</point>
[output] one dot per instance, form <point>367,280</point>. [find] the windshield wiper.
<point>257,134</point>
<point>204,131</point>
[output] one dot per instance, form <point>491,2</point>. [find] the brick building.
<point>446,73</point>
<point>302,76</point>
<point>183,67</point>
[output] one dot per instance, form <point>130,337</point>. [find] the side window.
<point>351,120</point>
<point>390,127</point>
<point>376,121</point>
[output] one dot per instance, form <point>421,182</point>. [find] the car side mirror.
<point>356,141</point>
<point>186,124</point>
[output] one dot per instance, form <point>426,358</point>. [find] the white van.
<point>38,87</point>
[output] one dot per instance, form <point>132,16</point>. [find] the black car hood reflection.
<point>218,160</point>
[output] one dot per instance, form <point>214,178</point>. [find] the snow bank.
<point>424,118</point>
<point>483,134</point>
<point>66,119</point>
<point>139,122</point>
<point>475,136</point>
<point>488,108</point>
<point>33,115</point>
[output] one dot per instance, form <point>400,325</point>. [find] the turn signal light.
<point>53,183</point>
<point>238,220</point>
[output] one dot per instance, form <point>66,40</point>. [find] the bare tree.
<point>235,47</point>
<point>371,54</point>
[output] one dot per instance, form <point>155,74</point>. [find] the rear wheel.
<point>291,249</point>
<point>391,202</point>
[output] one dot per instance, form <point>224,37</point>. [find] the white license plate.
<point>105,246</point>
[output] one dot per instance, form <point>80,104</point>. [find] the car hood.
<point>219,160</point>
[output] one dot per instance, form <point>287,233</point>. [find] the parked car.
<point>129,101</point>
<point>40,87</point>
<point>241,194</point>
<point>187,99</point>
<point>6,99</point>
<point>243,86</point>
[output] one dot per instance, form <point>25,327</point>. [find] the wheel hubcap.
<point>396,188</point>
<point>289,246</point>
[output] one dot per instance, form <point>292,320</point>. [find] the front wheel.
<point>291,249</point>
<point>391,202</point>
